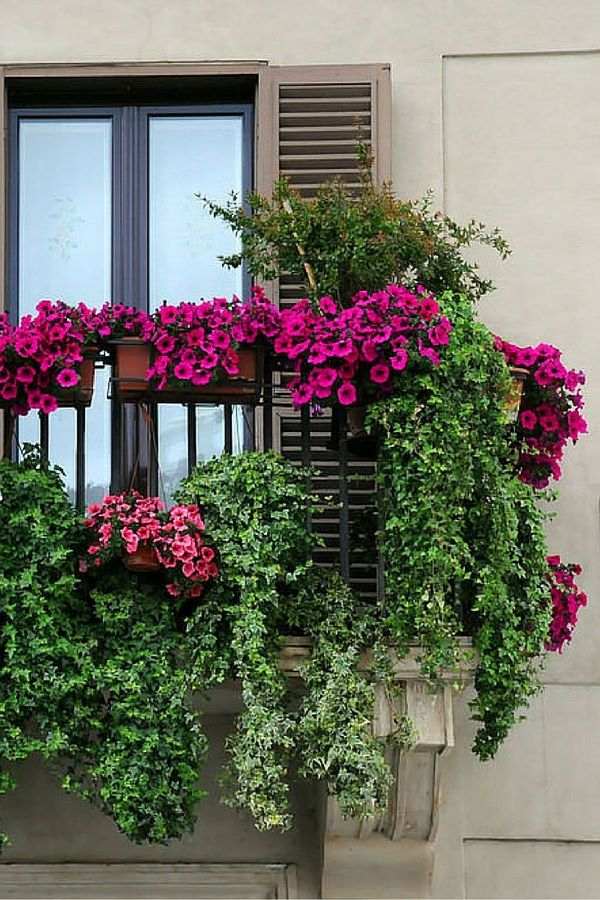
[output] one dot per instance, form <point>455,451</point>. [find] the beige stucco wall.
<point>496,105</point>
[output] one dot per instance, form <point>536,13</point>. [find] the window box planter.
<point>82,394</point>
<point>133,358</point>
<point>143,560</point>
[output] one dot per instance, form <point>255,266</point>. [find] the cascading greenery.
<point>90,673</point>
<point>255,508</point>
<point>462,538</point>
<point>97,670</point>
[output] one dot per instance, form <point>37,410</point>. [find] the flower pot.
<point>360,444</point>
<point>132,361</point>
<point>512,404</point>
<point>143,560</point>
<point>82,394</point>
<point>133,358</point>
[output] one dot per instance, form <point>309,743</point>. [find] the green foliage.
<point>42,648</point>
<point>353,243</point>
<point>255,509</point>
<point>462,538</point>
<point>96,684</point>
<point>139,758</point>
<point>336,741</point>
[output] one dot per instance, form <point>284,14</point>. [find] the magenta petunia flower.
<point>379,373</point>
<point>346,394</point>
<point>184,371</point>
<point>25,374</point>
<point>302,394</point>
<point>48,403</point>
<point>165,343</point>
<point>528,419</point>
<point>9,390</point>
<point>399,360</point>
<point>328,306</point>
<point>67,378</point>
<point>326,377</point>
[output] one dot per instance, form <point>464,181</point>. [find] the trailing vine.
<point>462,538</point>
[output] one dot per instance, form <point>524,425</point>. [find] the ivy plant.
<point>255,509</point>
<point>92,673</point>
<point>462,538</point>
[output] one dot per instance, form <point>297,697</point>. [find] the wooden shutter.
<point>309,122</point>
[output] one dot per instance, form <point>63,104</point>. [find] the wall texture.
<point>496,106</point>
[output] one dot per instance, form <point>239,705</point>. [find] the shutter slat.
<point>319,124</point>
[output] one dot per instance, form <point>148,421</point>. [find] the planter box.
<point>83,393</point>
<point>133,358</point>
<point>143,560</point>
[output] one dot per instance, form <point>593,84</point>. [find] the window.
<point>102,207</point>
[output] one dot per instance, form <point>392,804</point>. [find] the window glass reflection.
<point>191,155</point>
<point>65,224</point>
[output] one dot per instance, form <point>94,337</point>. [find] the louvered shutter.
<point>317,115</point>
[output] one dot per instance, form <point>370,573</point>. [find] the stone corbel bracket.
<point>413,803</point>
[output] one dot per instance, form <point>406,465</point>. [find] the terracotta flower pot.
<point>512,404</point>
<point>81,394</point>
<point>133,358</point>
<point>143,560</point>
<point>132,361</point>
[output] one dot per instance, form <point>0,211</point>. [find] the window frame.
<point>133,452</point>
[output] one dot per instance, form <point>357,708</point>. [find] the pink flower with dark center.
<point>165,343</point>
<point>302,394</point>
<point>25,374</point>
<point>67,378</point>
<point>328,306</point>
<point>167,315</point>
<point>326,377</point>
<point>183,371</point>
<point>346,394</point>
<point>528,419</point>
<point>9,390</point>
<point>399,360</point>
<point>48,403</point>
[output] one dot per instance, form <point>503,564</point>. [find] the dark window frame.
<point>133,457</point>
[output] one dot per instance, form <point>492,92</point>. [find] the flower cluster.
<point>550,410</point>
<point>123,523</point>
<point>40,358</point>
<point>566,602</point>
<point>196,342</point>
<point>349,355</point>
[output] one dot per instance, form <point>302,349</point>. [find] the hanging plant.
<point>362,352</point>
<point>550,412</point>
<point>567,599</point>
<point>47,360</point>
<point>149,537</point>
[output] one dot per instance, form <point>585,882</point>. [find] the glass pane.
<point>210,432</point>
<point>172,448</point>
<point>65,221</point>
<point>98,441</point>
<point>62,439</point>
<point>64,210</point>
<point>191,155</point>
<point>28,429</point>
